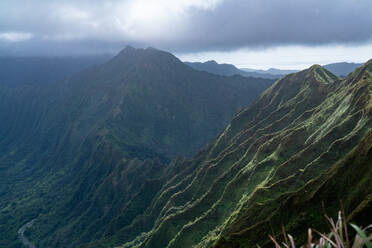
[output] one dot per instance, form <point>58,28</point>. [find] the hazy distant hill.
<point>343,68</point>
<point>271,71</point>
<point>228,70</point>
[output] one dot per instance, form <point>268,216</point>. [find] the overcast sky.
<point>247,33</point>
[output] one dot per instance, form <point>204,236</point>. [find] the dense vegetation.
<point>307,139</point>
<point>95,159</point>
<point>86,155</point>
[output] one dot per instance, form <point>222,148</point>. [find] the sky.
<point>248,33</point>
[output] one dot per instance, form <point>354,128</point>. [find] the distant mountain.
<point>271,71</point>
<point>228,70</point>
<point>342,69</point>
<point>30,70</point>
<point>88,153</point>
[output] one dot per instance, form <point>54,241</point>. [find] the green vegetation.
<point>90,157</point>
<point>87,155</point>
<point>299,144</point>
<point>338,237</point>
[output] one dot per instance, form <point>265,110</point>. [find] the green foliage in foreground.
<point>338,237</point>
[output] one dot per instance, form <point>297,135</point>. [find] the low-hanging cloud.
<point>180,26</point>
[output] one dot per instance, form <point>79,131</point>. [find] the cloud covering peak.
<point>180,25</point>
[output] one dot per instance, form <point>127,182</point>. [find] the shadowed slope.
<point>74,154</point>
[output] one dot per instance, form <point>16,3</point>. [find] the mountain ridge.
<point>228,70</point>
<point>259,158</point>
<point>341,69</point>
<point>93,163</point>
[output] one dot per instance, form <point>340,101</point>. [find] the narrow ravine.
<point>21,234</point>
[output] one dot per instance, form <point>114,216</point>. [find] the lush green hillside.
<point>89,153</point>
<point>307,139</point>
<point>89,157</point>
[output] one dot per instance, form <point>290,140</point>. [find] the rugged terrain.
<point>305,141</point>
<point>97,160</point>
<point>76,154</point>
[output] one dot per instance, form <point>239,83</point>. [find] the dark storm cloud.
<point>180,26</point>
<point>250,23</point>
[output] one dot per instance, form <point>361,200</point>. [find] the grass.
<point>338,237</point>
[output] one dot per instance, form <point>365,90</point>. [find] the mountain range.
<point>341,69</point>
<point>271,71</point>
<point>63,142</point>
<point>229,70</point>
<point>145,151</point>
<point>304,145</point>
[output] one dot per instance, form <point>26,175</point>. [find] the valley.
<point>185,124</point>
<point>88,153</point>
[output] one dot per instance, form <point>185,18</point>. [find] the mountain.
<point>228,70</point>
<point>342,69</point>
<point>96,160</point>
<point>304,143</point>
<point>86,153</point>
<point>272,71</point>
<point>43,69</point>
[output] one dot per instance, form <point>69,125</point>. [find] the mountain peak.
<point>369,64</point>
<point>132,50</point>
<point>127,49</point>
<point>130,56</point>
<point>152,49</point>
<point>211,62</point>
<point>315,67</point>
<point>321,74</point>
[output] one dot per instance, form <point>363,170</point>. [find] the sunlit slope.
<point>298,129</point>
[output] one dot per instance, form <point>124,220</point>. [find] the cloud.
<point>15,37</point>
<point>286,57</point>
<point>185,25</point>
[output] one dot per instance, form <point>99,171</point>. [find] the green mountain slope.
<point>75,154</point>
<point>297,145</point>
